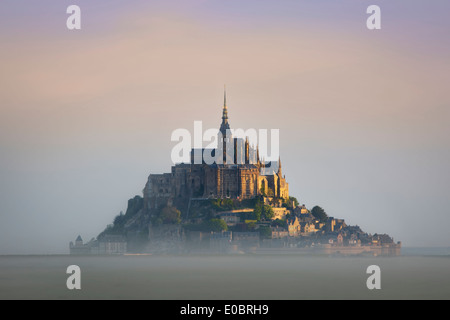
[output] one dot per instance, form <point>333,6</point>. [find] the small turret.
<point>79,241</point>
<point>258,162</point>
<point>247,151</point>
<point>279,167</point>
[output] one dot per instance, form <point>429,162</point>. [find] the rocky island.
<point>237,204</point>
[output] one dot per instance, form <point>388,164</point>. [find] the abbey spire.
<point>225,111</point>
<point>225,125</point>
<point>225,139</point>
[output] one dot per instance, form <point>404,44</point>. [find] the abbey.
<point>236,203</point>
<point>241,174</point>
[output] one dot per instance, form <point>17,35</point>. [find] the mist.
<point>275,277</point>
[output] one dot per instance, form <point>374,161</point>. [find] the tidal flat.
<point>218,277</point>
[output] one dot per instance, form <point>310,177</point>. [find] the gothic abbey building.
<point>239,174</point>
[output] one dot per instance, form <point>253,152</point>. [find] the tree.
<point>251,226</point>
<point>217,225</point>
<point>119,220</point>
<point>211,225</point>
<point>227,204</point>
<point>265,232</point>
<point>294,199</point>
<point>170,215</point>
<point>223,204</point>
<point>289,216</point>
<point>263,189</point>
<point>319,213</point>
<point>257,211</point>
<point>267,213</point>
<point>279,223</point>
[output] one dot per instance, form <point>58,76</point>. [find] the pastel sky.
<point>87,115</point>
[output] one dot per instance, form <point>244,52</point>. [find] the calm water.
<point>411,276</point>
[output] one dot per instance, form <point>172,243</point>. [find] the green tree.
<point>263,189</point>
<point>251,226</point>
<point>267,212</point>
<point>216,225</point>
<point>223,204</point>
<point>257,211</point>
<point>279,223</point>
<point>119,220</point>
<point>319,213</point>
<point>265,232</point>
<point>170,215</point>
<point>294,199</point>
<point>289,216</point>
<point>227,204</point>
